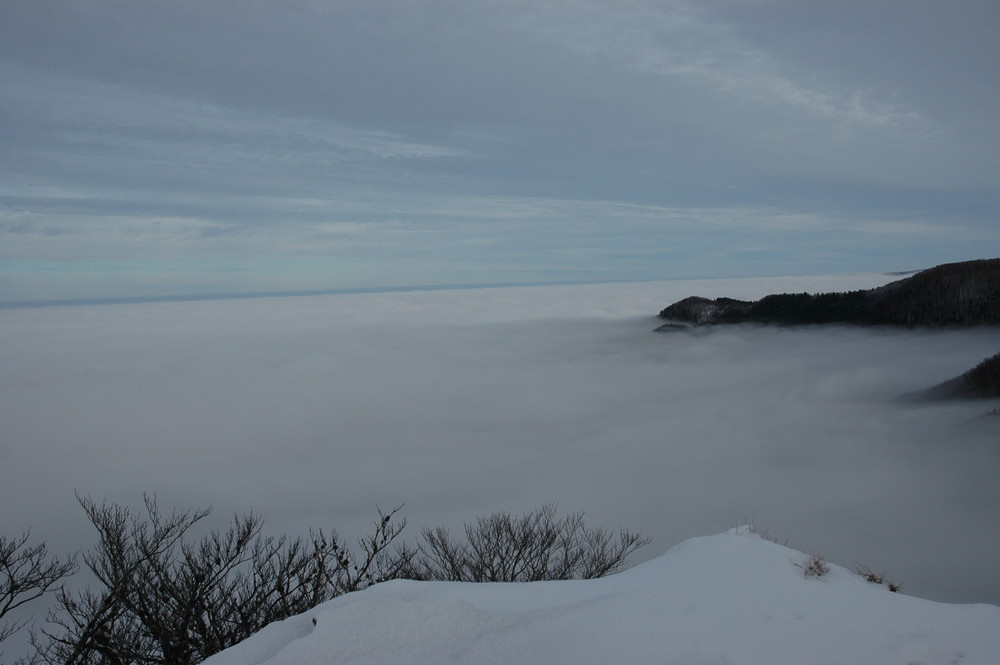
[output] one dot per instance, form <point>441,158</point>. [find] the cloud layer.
<point>314,410</point>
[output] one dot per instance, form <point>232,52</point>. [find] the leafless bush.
<point>537,545</point>
<point>816,566</point>
<point>27,572</point>
<point>878,578</point>
<point>748,527</point>
<point>166,599</point>
<point>870,575</point>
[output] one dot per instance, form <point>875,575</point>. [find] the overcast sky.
<point>151,148</point>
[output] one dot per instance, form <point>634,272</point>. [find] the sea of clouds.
<point>314,410</point>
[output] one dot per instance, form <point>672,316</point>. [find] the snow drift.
<point>731,598</point>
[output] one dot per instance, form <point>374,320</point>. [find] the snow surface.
<point>726,599</point>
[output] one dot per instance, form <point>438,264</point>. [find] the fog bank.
<point>314,410</point>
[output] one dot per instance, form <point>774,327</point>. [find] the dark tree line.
<point>980,382</point>
<point>165,597</point>
<point>953,294</point>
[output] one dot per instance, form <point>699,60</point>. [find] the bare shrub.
<point>748,527</point>
<point>869,575</point>
<point>537,545</point>
<point>27,572</point>
<point>878,578</point>
<point>815,566</point>
<point>166,599</point>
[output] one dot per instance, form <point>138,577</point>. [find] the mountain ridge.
<point>980,382</point>
<point>952,294</point>
<point>734,598</point>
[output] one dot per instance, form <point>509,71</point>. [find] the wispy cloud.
<point>695,48</point>
<point>367,238</point>
<point>132,126</point>
<point>518,136</point>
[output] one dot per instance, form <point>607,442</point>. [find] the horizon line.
<point>196,297</point>
<point>192,297</point>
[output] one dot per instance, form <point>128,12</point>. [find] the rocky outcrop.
<point>953,294</point>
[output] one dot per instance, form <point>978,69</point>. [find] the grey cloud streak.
<point>265,125</point>
<point>679,94</point>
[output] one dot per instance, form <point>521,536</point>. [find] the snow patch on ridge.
<point>728,598</point>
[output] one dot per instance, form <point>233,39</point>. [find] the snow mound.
<point>726,599</point>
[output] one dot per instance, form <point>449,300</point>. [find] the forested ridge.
<point>949,295</point>
<point>952,294</point>
<point>980,382</point>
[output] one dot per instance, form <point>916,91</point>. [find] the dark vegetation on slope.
<point>949,295</point>
<point>980,382</point>
<point>953,294</point>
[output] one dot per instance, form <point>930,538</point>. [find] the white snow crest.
<point>721,599</point>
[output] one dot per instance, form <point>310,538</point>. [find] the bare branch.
<point>537,545</point>
<point>27,572</point>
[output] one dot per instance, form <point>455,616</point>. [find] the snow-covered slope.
<point>731,598</point>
